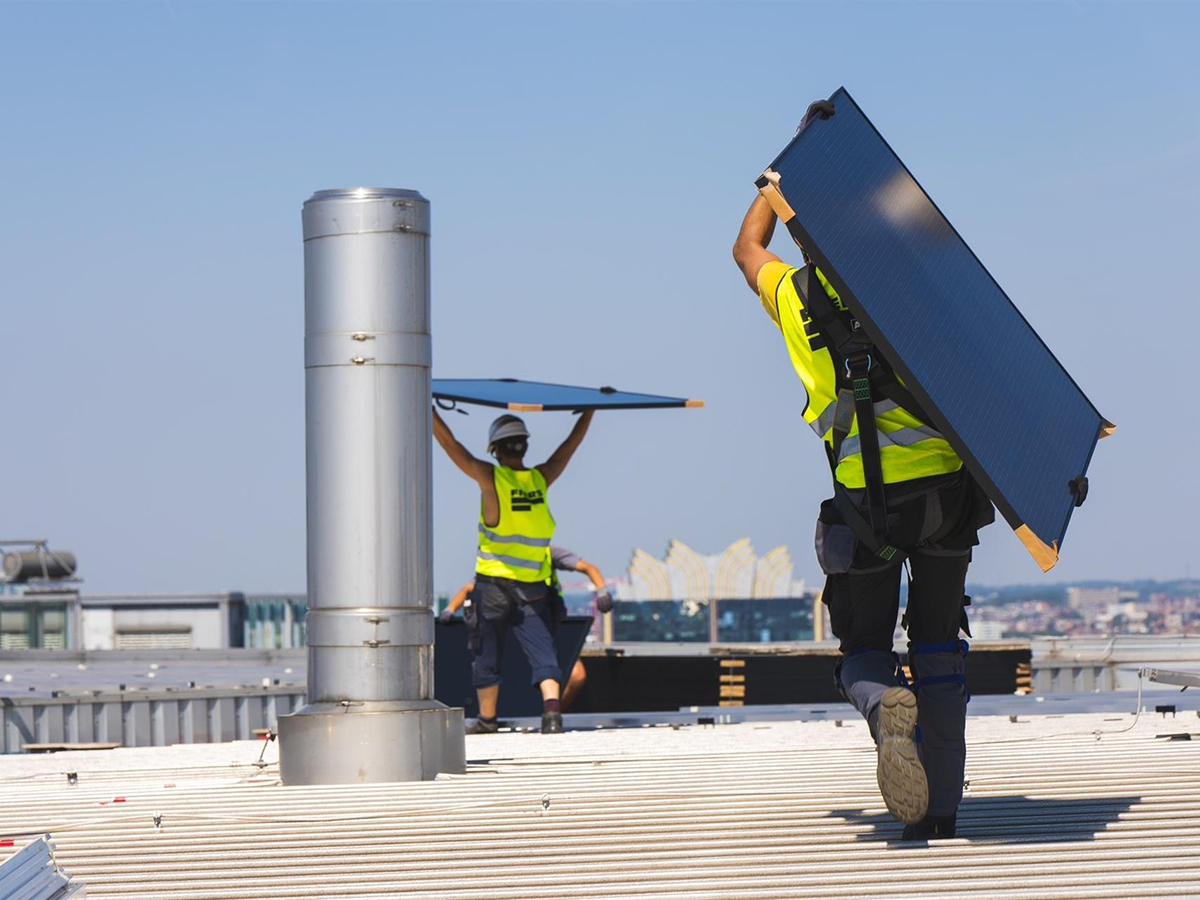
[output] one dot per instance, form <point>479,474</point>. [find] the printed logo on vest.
<point>524,501</point>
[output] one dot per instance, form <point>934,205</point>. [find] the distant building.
<point>1098,605</point>
<point>1097,597</point>
<point>732,596</point>
<point>740,621</point>
<point>987,631</point>
<point>737,573</point>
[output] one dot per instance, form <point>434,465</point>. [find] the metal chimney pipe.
<point>371,715</point>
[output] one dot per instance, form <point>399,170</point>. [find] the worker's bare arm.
<point>750,249</point>
<point>592,573</point>
<point>476,469</point>
<point>553,467</point>
<point>458,599</point>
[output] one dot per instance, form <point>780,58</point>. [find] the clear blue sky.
<point>588,166</point>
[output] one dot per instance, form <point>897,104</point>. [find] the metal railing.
<point>145,718</point>
<point>1069,665</point>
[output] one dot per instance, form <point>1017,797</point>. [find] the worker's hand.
<point>818,109</point>
<point>604,601</point>
<point>445,615</point>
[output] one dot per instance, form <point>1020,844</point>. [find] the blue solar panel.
<point>1006,405</point>
<point>534,396</point>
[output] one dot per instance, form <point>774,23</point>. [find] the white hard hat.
<point>506,427</point>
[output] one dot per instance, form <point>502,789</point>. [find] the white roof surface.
<point>1080,806</point>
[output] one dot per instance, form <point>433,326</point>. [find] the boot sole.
<point>899,771</point>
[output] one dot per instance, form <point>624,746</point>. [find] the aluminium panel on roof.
<point>539,396</point>
<point>992,387</point>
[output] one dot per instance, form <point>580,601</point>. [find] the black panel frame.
<point>801,236</point>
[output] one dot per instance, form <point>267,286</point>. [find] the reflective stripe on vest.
<point>822,423</point>
<point>518,545</point>
<point>514,561</point>
<point>901,437</point>
<point>512,538</point>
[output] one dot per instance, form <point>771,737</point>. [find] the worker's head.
<point>508,439</point>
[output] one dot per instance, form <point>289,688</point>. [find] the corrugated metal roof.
<point>1081,806</point>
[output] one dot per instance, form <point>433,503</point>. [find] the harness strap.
<point>858,367</point>
<point>843,343</point>
<point>851,516</point>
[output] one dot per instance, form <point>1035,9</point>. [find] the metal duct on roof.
<point>371,713</point>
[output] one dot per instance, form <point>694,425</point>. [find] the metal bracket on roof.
<point>1167,676</point>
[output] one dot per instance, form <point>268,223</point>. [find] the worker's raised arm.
<point>553,467</point>
<point>475,469</point>
<point>750,249</point>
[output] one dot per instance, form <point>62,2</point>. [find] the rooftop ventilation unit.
<point>38,563</point>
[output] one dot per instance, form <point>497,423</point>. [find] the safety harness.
<point>862,374</point>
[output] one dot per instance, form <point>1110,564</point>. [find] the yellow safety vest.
<point>518,546</point>
<point>908,448</point>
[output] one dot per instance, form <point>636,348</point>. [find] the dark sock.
<point>551,706</point>
<point>488,719</point>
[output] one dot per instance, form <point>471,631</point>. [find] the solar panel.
<point>538,396</point>
<point>993,388</point>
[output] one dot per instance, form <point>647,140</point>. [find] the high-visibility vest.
<point>908,447</point>
<point>518,546</point>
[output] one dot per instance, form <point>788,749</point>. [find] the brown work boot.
<point>930,828</point>
<point>899,771</point>
<point>484,726</point>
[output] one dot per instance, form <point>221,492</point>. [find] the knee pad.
<point>866,664</point>
<point>937,665</point>
<point>941,717</point>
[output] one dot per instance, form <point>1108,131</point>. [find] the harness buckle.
<point>854,360</point>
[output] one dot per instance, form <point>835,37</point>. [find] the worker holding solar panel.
<point>513,567</point>
<point>902,497</point>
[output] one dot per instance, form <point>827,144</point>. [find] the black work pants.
<point>531,613</point>
<point>934,523</point>
<point>864,605</point>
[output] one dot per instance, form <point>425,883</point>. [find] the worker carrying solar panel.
<point>901,493</point>
<point>513,567</point>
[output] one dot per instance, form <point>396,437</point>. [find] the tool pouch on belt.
<point>985,513</point>
<point>492,601</point>
<point>834,541</point>
<point>471,619</point>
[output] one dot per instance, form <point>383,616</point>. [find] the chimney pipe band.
<point>389,626</point>
<point>380,348</point>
